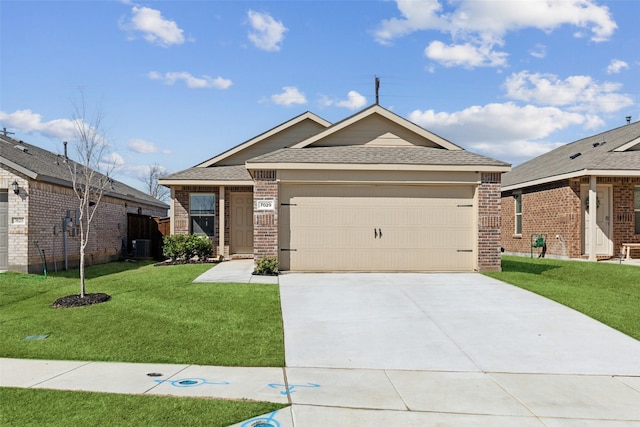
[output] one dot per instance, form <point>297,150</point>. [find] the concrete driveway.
<point>443,322</point>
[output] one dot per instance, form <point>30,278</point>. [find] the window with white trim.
<point>518,210</point>
<point>636,208</point>
<point>202,212</point>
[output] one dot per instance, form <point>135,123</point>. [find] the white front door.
<point>604,244</point>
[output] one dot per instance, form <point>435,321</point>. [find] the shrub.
<point>267,266</point>
<point>183,247</point>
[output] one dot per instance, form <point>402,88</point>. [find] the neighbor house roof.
<point>42,165</point>
<point>412,156</point>
<point>612,153</point>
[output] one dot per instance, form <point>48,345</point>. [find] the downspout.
<point>593,216</point>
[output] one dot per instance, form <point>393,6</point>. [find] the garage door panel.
<point>331,228</point>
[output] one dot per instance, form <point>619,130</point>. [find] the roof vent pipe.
<point>65,150</point>
<point>628,119</point>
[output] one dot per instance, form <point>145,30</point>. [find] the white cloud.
<point>539,51</point>
<point>578,93</point>
<point>290,96</point>
<point>466,55</point>
<point>504,131</point>
<point>113,159</point>
<point>354,101</point>
<point>616,66</point>
<point>28,121</point>
<point>154,27</point>
<point>267,33</point>
<point>145,147</point>
<point>203,82</point>
<point>477,26</point>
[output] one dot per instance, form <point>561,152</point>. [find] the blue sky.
<point>179,82</point>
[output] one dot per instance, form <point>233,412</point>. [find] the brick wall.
<point>265,222</point>
<point>489,222</point>
<point>556,210</point>
<point>181,212</point>
<point>37,214</point>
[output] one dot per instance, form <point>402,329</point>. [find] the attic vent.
<point>595,144</point>
<point>573,156</point>
<point>22,148</point>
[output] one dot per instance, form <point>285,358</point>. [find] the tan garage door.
<point>376,228</point>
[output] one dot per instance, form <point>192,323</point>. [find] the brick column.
<point>265,222</point>
<point>489,222</point>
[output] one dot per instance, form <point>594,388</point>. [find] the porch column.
<point>593,215</point>
<point>172,209</point>
<point>221,220</point>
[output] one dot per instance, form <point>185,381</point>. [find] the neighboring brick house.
<point>551,195</point>
<point>373,192</point>
<point>36,196</point>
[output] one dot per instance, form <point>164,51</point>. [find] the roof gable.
<point>283,135</point>
<point>376,126</point>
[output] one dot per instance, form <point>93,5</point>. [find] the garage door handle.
<point>375,233</point>
<point>380,232</point>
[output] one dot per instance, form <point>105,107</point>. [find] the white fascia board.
<point>178,182</point>
<point>257,139</point>
<point>628,145</point>
<point>570,175</point>
<point>31,174</point>
<point>376,166</point>
<point>385,113</point>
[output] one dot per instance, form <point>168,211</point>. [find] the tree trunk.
<point>82,290</point>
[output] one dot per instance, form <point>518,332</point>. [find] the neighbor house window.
<point>518,218</point>
<point>202,210</point>
<point>636,208</point>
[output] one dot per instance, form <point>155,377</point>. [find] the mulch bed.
<point>77,301</point>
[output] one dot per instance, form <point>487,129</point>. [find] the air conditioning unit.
<point>141,248</point>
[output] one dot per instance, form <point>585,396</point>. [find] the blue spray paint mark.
<point>270,421</point>
<point>290,389</point>
<point>190,382</point>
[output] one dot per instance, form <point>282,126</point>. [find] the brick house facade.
<point>374,151</point>
<point>554,198</point>
<point>36,214</point>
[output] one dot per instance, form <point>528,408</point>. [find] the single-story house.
<point>554,195</point>
<point>38,212</point>
<point>373,192</point>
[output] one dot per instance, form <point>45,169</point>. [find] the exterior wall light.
<point>14,187</point>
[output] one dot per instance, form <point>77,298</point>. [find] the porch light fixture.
<point>14,187</point>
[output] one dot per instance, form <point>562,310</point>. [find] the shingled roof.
<point>211,173</point>
<point>614,152</point>
<point>378,156</point>
<point>42,165</point>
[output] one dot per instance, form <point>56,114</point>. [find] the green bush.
<point>267,266</point>
<point>183,247</point>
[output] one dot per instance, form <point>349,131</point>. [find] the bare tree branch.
<point>151,184</point>
<point>89,173</point>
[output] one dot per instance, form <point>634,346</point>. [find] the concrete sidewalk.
<point>235,271</point>
<point>354,397</point>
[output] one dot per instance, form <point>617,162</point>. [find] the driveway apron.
<point>463,322</point>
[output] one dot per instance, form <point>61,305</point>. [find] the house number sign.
<point>266,205</point>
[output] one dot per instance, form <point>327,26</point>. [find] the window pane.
<point>637,222</point>
<point>637,198</point>
<point>519,203</point>
<point>518,224</point>
<point>203,225</point>
<point>202,204</point>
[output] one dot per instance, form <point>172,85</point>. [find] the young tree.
<point>89,173</point>
<point>151,185</point>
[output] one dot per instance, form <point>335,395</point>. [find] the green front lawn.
<point>609,293</point>
<point>30,407</point>
<point>156,315</point>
